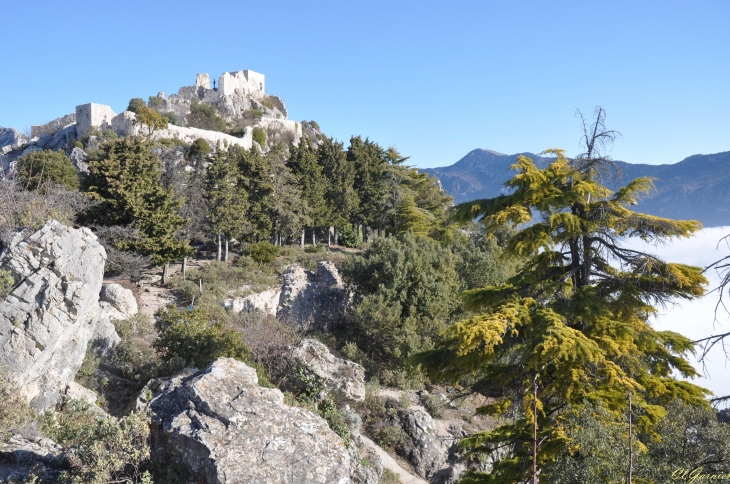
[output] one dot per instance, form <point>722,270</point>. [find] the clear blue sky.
<point>435,79</point>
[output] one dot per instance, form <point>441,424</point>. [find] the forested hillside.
<point>499,340</point>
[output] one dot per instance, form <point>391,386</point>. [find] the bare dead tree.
<point>597,140</point>
<point>22,209</point>
<point>121,262</point>
<point>722,267</point>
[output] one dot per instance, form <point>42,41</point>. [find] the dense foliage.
<point>38,167</point>
<point>570,322</point>
<point>126,179</point>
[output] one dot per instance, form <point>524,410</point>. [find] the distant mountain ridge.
<point>696,188</point>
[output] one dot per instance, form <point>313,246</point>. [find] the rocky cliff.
<point>52,311</point>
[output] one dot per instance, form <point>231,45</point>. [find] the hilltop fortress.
<point>235,95</point>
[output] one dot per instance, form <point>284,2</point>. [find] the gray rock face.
<point>423,447</point>
<point>226,429</point>
<point>344,379</point>
<point>48,318</point>
<point>19,457</point>
<point>12,138</point>
<point>79,159</point>
<point>312,298</point>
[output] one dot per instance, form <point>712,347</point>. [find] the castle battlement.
<point>246,82</point>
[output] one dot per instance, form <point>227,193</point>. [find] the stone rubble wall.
<point>52,127</point>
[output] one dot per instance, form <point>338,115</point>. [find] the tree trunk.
<point>631,442</point>
<point>184,267</point>
<point>314,241</point>
<point>337,237</point>
<point>329,238</point>
<point>534,434</point>
<point>219,247</point>
<point>200,286</point>
<point>302,239</point>
<point>226,256</point>
<point>165,273</point>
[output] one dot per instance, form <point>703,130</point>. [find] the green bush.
<point>14,410</point>
<point>197,337</point>
<point>205,116</point>
<point>390,437</point>
<point>350,236</point>
<point>134,357</point>
<point>155,102</point>
<point>100,450</point>
<point>262,252</point>
<point>406,292</point>
<point>259,136</point>
<point>199,149</point>
<point>435,405</point>
<point>38,167</point>
<point>6,283</point>
<point>135,104</point>
<point>78,144</point>
<point>316,249</point>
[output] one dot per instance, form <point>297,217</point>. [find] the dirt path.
<point>391,464</point>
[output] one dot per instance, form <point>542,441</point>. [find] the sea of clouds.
<point>699,318</point>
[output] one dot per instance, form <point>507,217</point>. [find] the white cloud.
<point>697,319</point>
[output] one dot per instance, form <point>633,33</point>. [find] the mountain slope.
<point>697,187</point>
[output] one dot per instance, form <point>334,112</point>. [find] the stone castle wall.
<point>92,114</point>
<point>245,82</point>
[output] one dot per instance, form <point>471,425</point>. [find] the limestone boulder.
<point>74,391</point>
<point>49,316</point>
<point>225,428</point>
<point>266,302</point>
<point>120,301</point>
<point>343,379</point>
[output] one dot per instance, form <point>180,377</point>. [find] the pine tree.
<point>340,196</point>
<point>227,200</point>
<point>126,178</point>
<point>257,178</point>
<point>370,162</point>
<point>575,316</point>
<point>312,183</point>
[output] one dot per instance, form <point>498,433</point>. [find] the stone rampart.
<point>52,126</point>
<point>125,124</point>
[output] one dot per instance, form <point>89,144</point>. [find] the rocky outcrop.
<point>343,379</point>
<point>309,298</point>
<point>51,312</point>
<point>266,302</point>
<point>79,159</point>
<point>224,428</point>
<point>22,458</point>
<point>423,447</point>
<point>305,298</point>
<point>11,139</point>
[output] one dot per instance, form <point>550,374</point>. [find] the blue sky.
<point>435,79</point>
